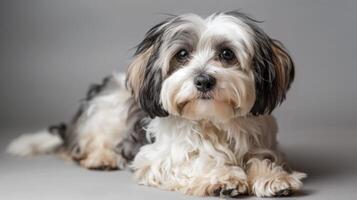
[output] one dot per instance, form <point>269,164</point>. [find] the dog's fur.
<point>177,137</point>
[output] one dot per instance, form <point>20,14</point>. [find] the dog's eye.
<point>227,56</point>
<point>182,55</point>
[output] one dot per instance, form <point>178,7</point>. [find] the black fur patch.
<point>264,73</point>
<point>135,137</point>
<point>149,94</point>
<point>59,129</point>
<point>133,140</point>
<point>95,89</point>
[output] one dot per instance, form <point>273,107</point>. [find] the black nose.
<point>204,82</point>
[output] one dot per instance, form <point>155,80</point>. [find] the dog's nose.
<point>204,82</point>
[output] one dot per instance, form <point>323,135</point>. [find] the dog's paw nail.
<point>217,191</point>
<point>229,192</point>
<point>284,192</point>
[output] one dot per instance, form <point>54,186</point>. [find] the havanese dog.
<point>192,114</point>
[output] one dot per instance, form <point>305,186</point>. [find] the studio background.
<point>50,51</point>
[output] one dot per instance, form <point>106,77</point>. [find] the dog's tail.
<point>42,142</point>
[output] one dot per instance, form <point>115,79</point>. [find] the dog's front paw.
<point>103,160</point>
<point>278,185</point>
<point>225,181</point>
<point>233,189</point>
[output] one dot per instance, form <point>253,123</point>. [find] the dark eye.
<point>227,55</point>
<point>182,55</point>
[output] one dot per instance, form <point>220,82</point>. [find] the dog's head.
<point>216,68</point>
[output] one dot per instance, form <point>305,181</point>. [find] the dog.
<point>192,113</point>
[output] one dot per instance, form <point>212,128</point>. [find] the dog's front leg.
<point>197,177</point>
<point>267,178</point>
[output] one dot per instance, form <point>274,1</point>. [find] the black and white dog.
<point>192,114</point>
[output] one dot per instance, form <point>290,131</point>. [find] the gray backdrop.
<point>51,50</point>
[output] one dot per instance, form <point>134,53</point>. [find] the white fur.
<point>36,143</point>
<point>106,113</point>
<point>103,125</point>
<point>188,153</point>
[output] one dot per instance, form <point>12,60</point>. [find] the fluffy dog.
<point>192,114</point>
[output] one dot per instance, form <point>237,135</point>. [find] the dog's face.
<point>216,68</point>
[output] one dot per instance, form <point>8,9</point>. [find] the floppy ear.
<point>272,67</point>
<point>273,71</point>
<point>144,76</point>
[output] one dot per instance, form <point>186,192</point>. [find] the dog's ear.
<point>273,71</point>
<point>144,76</point>
<point>273,68</point>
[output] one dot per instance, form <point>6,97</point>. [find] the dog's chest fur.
<point>183,147</point>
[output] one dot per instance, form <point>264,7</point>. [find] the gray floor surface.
<point>327,155</point>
